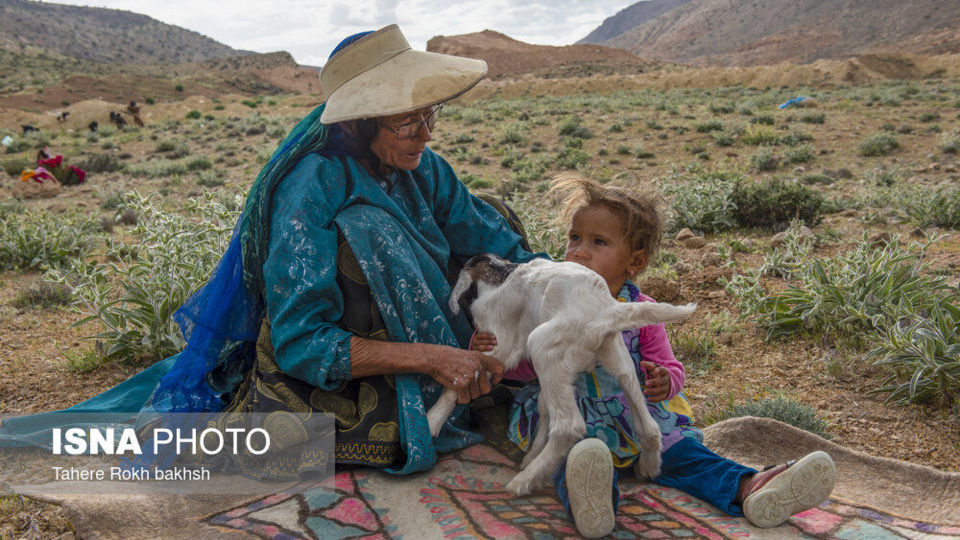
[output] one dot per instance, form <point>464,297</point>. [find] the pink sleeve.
<point>655,347</point>
<point>523,372</point>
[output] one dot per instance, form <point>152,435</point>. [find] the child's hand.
<point>483,342</point>
<point>657,386</point>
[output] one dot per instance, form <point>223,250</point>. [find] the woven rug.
<point>463,497</point>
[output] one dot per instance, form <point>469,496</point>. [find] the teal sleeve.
<point>302,295</point>
<point>470,225</point>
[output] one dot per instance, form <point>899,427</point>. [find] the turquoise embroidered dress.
<point>403,231</point>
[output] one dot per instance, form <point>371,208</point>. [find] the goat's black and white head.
<point>481,270</point>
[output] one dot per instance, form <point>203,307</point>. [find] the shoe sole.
<point>590,469</point>
<point>804,485</point>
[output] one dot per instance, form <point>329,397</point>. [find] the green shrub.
<point>194,114</point>
<point>178,88</point>
<point>720,108</point>
<point>572,158</point>
<point>166,146</point>
<point>15,166</point>
<point>209,179</point>
<point>799,154</point>
<point>784,410</point>
<point>98,163</point>
<point>851,297</point>
<point>764,160</point>
<point>544,232</point>
<point>198,163</point>
<point>44,295</point>
<point>723,139</point>
<point>705,204</point>
<point>949,143</point>
<point>921,354</point>
<point>150,101</point>
<point>764,119</point>
<point>219,107</point>
<point>706,127</point>
<point>813,118</point>
<point>879,144</point>
<point>571,128</point>
<point>926,207</point>
<point>696,349</point>
<point>774,202</point>
<point>513,134</point>
<point>809,179</point>
<point>133,300</point>
<point>43,239</point>
<point>640,153</point>
<point>758,135</point>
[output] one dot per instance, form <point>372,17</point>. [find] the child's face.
<point>596,240</point>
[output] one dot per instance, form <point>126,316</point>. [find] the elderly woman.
<point>333,294</point>
<point>349,241</point>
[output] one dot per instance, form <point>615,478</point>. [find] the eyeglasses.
<point>411,129</point>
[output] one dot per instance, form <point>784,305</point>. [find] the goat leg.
<point>540,438</point>
<point>566,428</point>
<point>441,410</point>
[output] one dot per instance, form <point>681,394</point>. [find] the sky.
<point>309,30</point>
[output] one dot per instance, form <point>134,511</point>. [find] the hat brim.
<point>406,82</point>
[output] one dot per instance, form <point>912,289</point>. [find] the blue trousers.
<point>689,466</point>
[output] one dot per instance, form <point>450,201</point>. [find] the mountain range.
<point>756,32</point>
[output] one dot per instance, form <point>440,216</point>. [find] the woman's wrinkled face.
<point>402,153</point>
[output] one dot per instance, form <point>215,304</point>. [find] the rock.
<point>710,259</point>
<point>684,234</point>
<point>725,338</point>
<point>660,289</point>
<point>844,173</point>
<point>682,268</point>
<point>950,168</point>
<point>779,238</point>
<point>34,190</point>
<point>849,212</point>
<point>918,233</point>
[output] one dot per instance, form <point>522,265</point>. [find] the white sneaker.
<point>796,487</point>
<point>590,487</point>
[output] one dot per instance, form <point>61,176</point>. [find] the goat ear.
<point>463,283</point>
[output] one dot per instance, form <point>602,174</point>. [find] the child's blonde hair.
<point>637,211</point>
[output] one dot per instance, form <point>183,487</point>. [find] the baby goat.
<point>560,315</point>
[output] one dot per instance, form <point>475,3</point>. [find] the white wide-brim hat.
<point>381,75</point>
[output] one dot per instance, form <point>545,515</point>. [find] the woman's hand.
<point>657,386</point>
<point>468,373</point>
<point>483,342</point>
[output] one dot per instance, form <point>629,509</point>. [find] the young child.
<point>616,232</point>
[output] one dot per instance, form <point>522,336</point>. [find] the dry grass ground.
<point>640,138</point>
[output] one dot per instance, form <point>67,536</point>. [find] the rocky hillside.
<point>629,18</point>
<point>100,35</point>
<point>735,32</point>
<point>507,57</point>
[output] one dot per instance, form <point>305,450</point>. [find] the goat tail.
<point>627,315</point>
<point>463,283</point>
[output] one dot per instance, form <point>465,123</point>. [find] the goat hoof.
<point>519,486</point>
<point>648,467</point>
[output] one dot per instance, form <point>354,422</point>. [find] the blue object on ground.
<point>789,102</point>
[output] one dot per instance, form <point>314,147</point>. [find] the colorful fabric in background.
<point>38,175</point>
<point>53,169</point>
<point>605,409</point>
